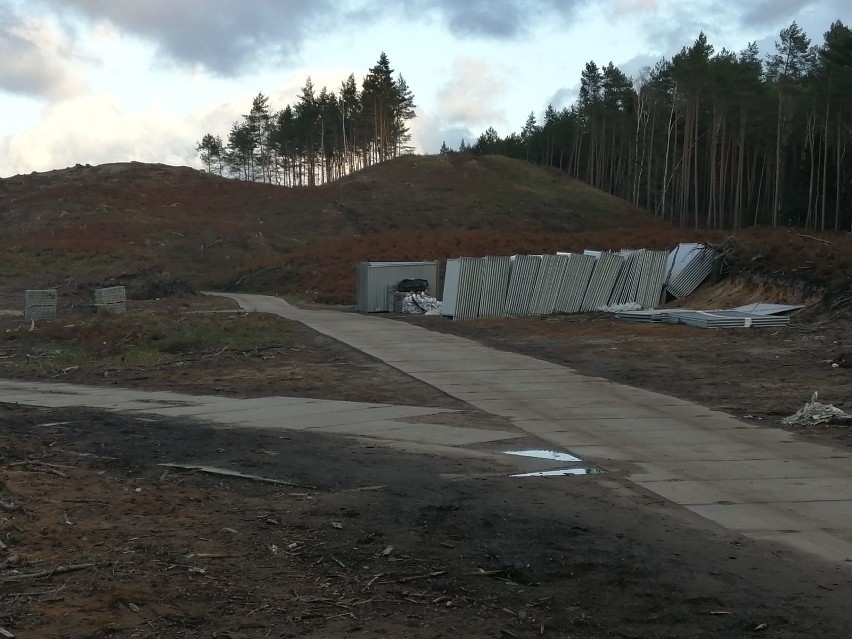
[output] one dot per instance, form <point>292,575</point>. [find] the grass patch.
<point>133,341</point>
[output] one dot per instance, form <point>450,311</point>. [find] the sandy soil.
<point>364,542</point>
<point>370,542</point>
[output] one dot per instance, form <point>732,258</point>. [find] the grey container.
<point>32,313</point>
<point>40,298</point>
<point>374,278</point>
<point>111,295</point>
<point>40,304</point>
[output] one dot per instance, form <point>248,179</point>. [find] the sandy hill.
<point>97,223</point>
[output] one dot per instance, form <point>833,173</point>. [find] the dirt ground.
<point>364,541</point>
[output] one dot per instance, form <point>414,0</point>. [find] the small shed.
<point>377,279</point>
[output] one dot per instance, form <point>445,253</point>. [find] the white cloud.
<point>429,131</point>
<point>97,130</point>
<point>635,6</point>
<point>466,104</point>
<point>472,94</point>
<point>220,35</point>
<point>36,58</point>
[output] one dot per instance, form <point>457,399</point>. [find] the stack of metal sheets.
<point>765,308</point>
<point>521,283</point>
<point>689,265</point>
<point>470,288</point>
<point>602,282</point>
<point>646,316</point>
<point>575,281</point>
<point>495,283</point>
<point>550,275</point>
<point>628,278</point>
<point>652,281</point>
<point>571,283</point>
<point>724,319</point>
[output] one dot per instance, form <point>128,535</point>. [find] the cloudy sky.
<point>95,81</point>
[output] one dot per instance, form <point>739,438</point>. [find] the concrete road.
<point>759,480</point>
<point>756,479</point>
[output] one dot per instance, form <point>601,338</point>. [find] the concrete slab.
<point>253,410</point>
<point>305,421</point>
<point>422,433</point>
<point>601,430</point>
<point>823,516</point>
<point>694,436</point>
<point>753,491</point>
<point>831,546</point>
<point>744,469</point>
<point>444,451</point>
<point>567,395</point>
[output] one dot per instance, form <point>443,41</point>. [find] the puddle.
<point>563,472</point>
<point>551,455</point>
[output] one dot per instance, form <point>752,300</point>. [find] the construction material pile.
<point>501,286</point>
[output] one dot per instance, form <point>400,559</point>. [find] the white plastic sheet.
<point>420,304</point>
<point>815,412</point>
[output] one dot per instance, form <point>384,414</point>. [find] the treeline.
<point>319,138</point>
<point>720,140</point>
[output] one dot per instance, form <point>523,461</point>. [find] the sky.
<point>97,81</point>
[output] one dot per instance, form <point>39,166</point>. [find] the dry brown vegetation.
<point>92,224</point>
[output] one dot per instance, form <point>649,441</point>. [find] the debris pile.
<point>420,304</point>
<point>815,412</point>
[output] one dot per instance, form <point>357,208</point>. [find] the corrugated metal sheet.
<point>451,287</point>
<point>374,278</point>
<point>548,281</point>
<point>521,283</point>
<point>578,273</point>
<point>495,284</point>
<point>627,283</point>
<point>602,282</point>
<point>691,264</point>
<point>653,281</point>
<point>765,308</point>
<point>470,288</point>
<point>641,279</point>
<point>724,319</point>
<point>645,316</point>
<point>571,283</point>
<point>705,319</point>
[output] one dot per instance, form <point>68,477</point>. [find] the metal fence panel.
<point>574,284</point>
<point>111,295</point>
<point>470,288</point>
<point>602,282</point>
<point>521,283</point>
<point>495,285</point>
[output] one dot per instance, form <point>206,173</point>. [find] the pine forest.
<point>712,139</point>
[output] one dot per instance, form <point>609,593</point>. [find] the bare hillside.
<point>90,224</point>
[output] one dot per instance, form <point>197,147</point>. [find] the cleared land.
<point>372,541</point>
